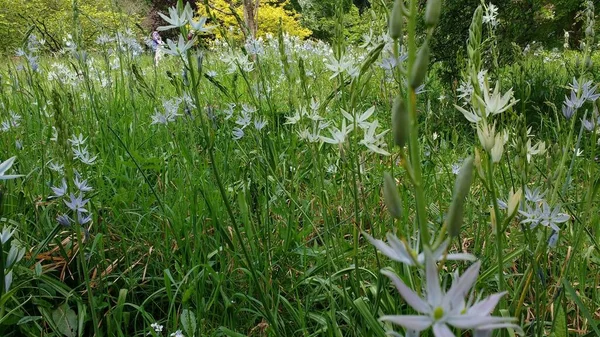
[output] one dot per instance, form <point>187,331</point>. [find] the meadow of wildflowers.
<point>276,186</point>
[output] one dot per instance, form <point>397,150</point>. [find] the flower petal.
<point>478,322</point>
<point>413,322</point>
<point>442,330</point>
<point>409,296</point>
<point>6,165</point>
<point>434,290</point>
<point>462,285</point>
<point>461,257</point>
<point>437,254</point>
<point>389,251</point>
<point>486,306</point>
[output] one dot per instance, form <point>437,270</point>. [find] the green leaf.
<point>188,320</point>
<point>65,320</point>
<point>560,323</point>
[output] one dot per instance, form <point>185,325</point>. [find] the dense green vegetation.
<point>287,186</point>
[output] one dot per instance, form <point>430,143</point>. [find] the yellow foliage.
<point>269,16</point>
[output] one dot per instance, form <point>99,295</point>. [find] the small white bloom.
<point>238,133</point>
<point>496,103</point>
<point>7,233</point>
<point>177,333</point>
<point>361,120</point>
<point>156,327</point>
<point>60,190</point>
<point>260,123</point>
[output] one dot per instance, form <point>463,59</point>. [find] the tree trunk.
<point>251,16</point>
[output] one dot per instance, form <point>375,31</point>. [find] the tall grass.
<point>206,220</point>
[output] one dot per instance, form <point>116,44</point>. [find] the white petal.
<point>400,249</point>
<point>461,257</point>
<point>461,286</point>
<point>437,254</point>
<point>442,330</point>
<point>10,176</point>
<point>412,322</point>
<point>6,165</point>
<point>486,306</point>
<point>491,327</point>
<point>409,296</point>
<point>388,251</point>
<point>434,291</point>
<point>478,322</point>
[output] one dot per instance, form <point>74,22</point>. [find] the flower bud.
<point>391,197</point>
<point>588,63</point>
<point>420,67</point>
<point>462,185</point>
<point>432,13</point>
<point>487,136</point>
<point>498,147</point>
<point>513,202</point>
<point>396,21</point>
<point>400,122</point>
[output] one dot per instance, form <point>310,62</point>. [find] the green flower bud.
<point>396,21</point>
<point>462,185</point>
<point>391,197</point>
<point>420,67</point>
<point>432,12</point>
<point>400,122</point>
<point>588,63</point>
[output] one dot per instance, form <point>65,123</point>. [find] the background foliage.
<point>52,20</point>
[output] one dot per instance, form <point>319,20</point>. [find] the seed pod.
<point>420,67</point>
<point>391,197</point>
<point>432,13</point>
<point>462,185</point>
<point>396,21</point>
<point>400,122</point>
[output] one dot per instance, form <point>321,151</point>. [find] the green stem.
<point>413,143</point>
<point>498,224</point>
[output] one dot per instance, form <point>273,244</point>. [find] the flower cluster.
<point>538,212</point>
<point>80,150</point>
<point>580,93</point>
<point>372,139</point>
<point>76,203</point>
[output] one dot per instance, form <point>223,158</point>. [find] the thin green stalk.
<point>413,143</point>
<point>498,224</point>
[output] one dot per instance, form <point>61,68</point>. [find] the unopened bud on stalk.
<point>391,197</point>
<point>396,21</point>
<point>432,13</point>
<point>513,202</point>
<point>487,135</point>
<point>462,185</point>
<point>498,147</point>
<point>420,67</point>
<point>588,63</point>
<point>400,122</point>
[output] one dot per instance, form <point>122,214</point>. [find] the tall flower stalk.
<point>439,309</point>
